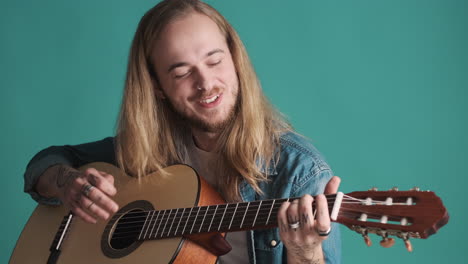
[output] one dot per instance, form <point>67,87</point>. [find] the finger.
<point>104,205</point>
<point>305,212</point>
<point>78,211</point>
<point>89,206</point>
<point>323,219</point>
<point>332,185</point>
<point>283,218</point>
<point>108,177</point>
<point>293,213</point>
<point>99,181</point>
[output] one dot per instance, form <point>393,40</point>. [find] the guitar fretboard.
<point>203,219</point>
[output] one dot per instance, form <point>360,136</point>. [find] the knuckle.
<point>320,198</point>
<point>96,181</point>
<point>89,171</point>
<point>109,177</point>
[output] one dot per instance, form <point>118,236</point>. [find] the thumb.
<point>332,185</point>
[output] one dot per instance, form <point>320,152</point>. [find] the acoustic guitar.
<point>180,219</point>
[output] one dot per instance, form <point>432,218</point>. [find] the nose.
<point>205,80</point>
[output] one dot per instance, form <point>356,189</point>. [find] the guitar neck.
<point>204,219</point>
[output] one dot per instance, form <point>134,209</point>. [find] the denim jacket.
<point>300,170</point>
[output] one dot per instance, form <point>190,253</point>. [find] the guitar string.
<point>140,216</point>
<point>350,200</point>
<point>197,225</point>
<point>176,216</point>
<point>241,206</point>
<point>164,234</point>
<point>168,234</point>
<point>262,214</point>
<point>188,218</point>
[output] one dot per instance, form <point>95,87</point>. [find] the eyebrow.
<point>181,64</point>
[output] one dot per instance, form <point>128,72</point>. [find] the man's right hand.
<point>87,193</point>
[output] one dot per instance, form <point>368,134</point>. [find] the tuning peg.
<point>387,242</point>
<point>408,245</point>
<point>373,189</point>
<point>405,237</point>
<point>394,189</point>
<point>415,189</point>
<point>367,240</point>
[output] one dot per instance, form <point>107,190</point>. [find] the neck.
<point>213,218</point>
<point>205,140</point>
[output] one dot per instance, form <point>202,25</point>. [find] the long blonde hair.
<point>149,136</point>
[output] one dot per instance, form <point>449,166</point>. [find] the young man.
<point>192,97</point>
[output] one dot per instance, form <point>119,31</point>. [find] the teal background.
<point>379,86</point>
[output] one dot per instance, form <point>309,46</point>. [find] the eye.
<point>181,73</point>
<point>214,62</point>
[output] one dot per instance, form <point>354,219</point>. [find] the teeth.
<point>210,100</point>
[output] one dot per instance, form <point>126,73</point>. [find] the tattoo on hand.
<point>93,180</point>
<point>65,175</point>
<point>305,218</point>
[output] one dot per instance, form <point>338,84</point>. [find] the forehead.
<point>188,37</point>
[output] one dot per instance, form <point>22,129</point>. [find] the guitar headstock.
<point>404,214</point>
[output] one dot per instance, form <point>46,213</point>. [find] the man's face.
<point>196,72</point>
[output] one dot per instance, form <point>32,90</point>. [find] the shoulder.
<point>300,165</point>
<point>295,149</point>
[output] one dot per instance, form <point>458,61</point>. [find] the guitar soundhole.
<point>120,237</point>
<point>128,229</point>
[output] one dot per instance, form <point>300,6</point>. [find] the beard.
<point>206,125</point>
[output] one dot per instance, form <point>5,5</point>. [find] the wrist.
<point>305,255</point>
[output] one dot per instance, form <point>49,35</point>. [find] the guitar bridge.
<point>59,236</point>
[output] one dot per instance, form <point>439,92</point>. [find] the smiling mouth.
<point>209,100</point>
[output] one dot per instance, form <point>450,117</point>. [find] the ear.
<point>157,88</point>
<point>159,93</point>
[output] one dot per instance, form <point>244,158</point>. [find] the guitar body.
<point>83,242</point>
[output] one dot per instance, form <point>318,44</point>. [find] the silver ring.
<point>324,233</point>
<point>199,88</point>
<point>294,225</point>
<point>89,206</point>
<point>87,189</point>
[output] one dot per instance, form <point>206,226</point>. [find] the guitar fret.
<point>155,220</point>
<point>149,224</point>
<point>173,219</point>
<point>199,230</point>
<point>143,228</point>
<point>269,214</point>
<point>191,230</point>
<point>160,221</point>
<point>220,222</point>
<point>234,214</point>
<point>256,214</point>
<point>187,220</point>
<point>165,224</point>
<point>231,218</point>
<point>214,214</point>
<point>181,215</point>
<point>243,218</point>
